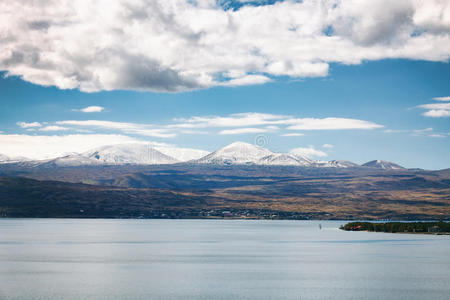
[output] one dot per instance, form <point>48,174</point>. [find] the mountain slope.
<point>6,159</point>
<point>3,158</point>
<point>279,159</point>
<point>72,160</point>
<point>336,164</point>
<point>237,153</point>
<point>129,154</point>
<point>382,164</point>
<point>182,154</point>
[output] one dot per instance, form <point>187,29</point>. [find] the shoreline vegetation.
<point>439,227</point>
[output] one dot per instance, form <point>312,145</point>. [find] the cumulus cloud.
<point>91,109</point>
<point>329,146</point>
<point>179,45</point>
<point>309,151</point>
<point>247,80</point>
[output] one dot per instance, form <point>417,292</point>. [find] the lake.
<point>216,259</point>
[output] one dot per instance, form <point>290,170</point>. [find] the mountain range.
<point>242,180</point>
<point>237,153</point>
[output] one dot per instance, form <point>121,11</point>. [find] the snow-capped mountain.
<point>71,160</point>
<point>182,154</point>
<point>6,159</point>
<point>3,158</point>
<point>280,159</point>
<point>382,164</point>
<point>129,154</point>
<point>138,154</point>
<point>336,164</point>
<point>239,153</point>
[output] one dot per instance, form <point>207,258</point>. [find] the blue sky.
<point>386,92</point>
<point>353,80</point>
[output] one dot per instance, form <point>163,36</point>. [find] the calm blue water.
<point>216,259</point>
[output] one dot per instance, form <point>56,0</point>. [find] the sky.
<point>352,80</point>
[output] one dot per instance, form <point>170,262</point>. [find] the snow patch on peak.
<point>382,164</point>
<point>129,154</point>
<point>236,153</point>
<point>3,158</point>
<point>182,154</point>
<point>338,164</point>
<point>281,159</point>
<point>6,159</point>
<point>72,160</point>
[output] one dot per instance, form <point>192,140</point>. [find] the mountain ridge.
<point>237,153</point>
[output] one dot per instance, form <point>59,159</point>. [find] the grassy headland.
<point>399,227</point>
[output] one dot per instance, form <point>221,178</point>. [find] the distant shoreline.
<point>218,218</point>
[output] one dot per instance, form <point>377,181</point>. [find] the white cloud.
<point>422,131</point>
<point>395,131</point>
<point>129,128</point>
<point>53,128</point>
<point>257,119</point>
<point>247,80</point>
<point>437,113</point>
<point>328,146</point>
<point>91,109</point>
<point>272,128</point>
<point>243,131</point>
<point>177,45</point>
<point>29,125</point>
<point>436,110</point>
<point>293,134</point>
<point>239,123</point>
<point>309,151</point>
<point>331,124</point>
<point>44,147</point>
<point>442,98</point>
<point>187,131</point>
<point>428,132</point>
<point>445,106</point>
<point>437,135</point>
<point>233,120</point>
